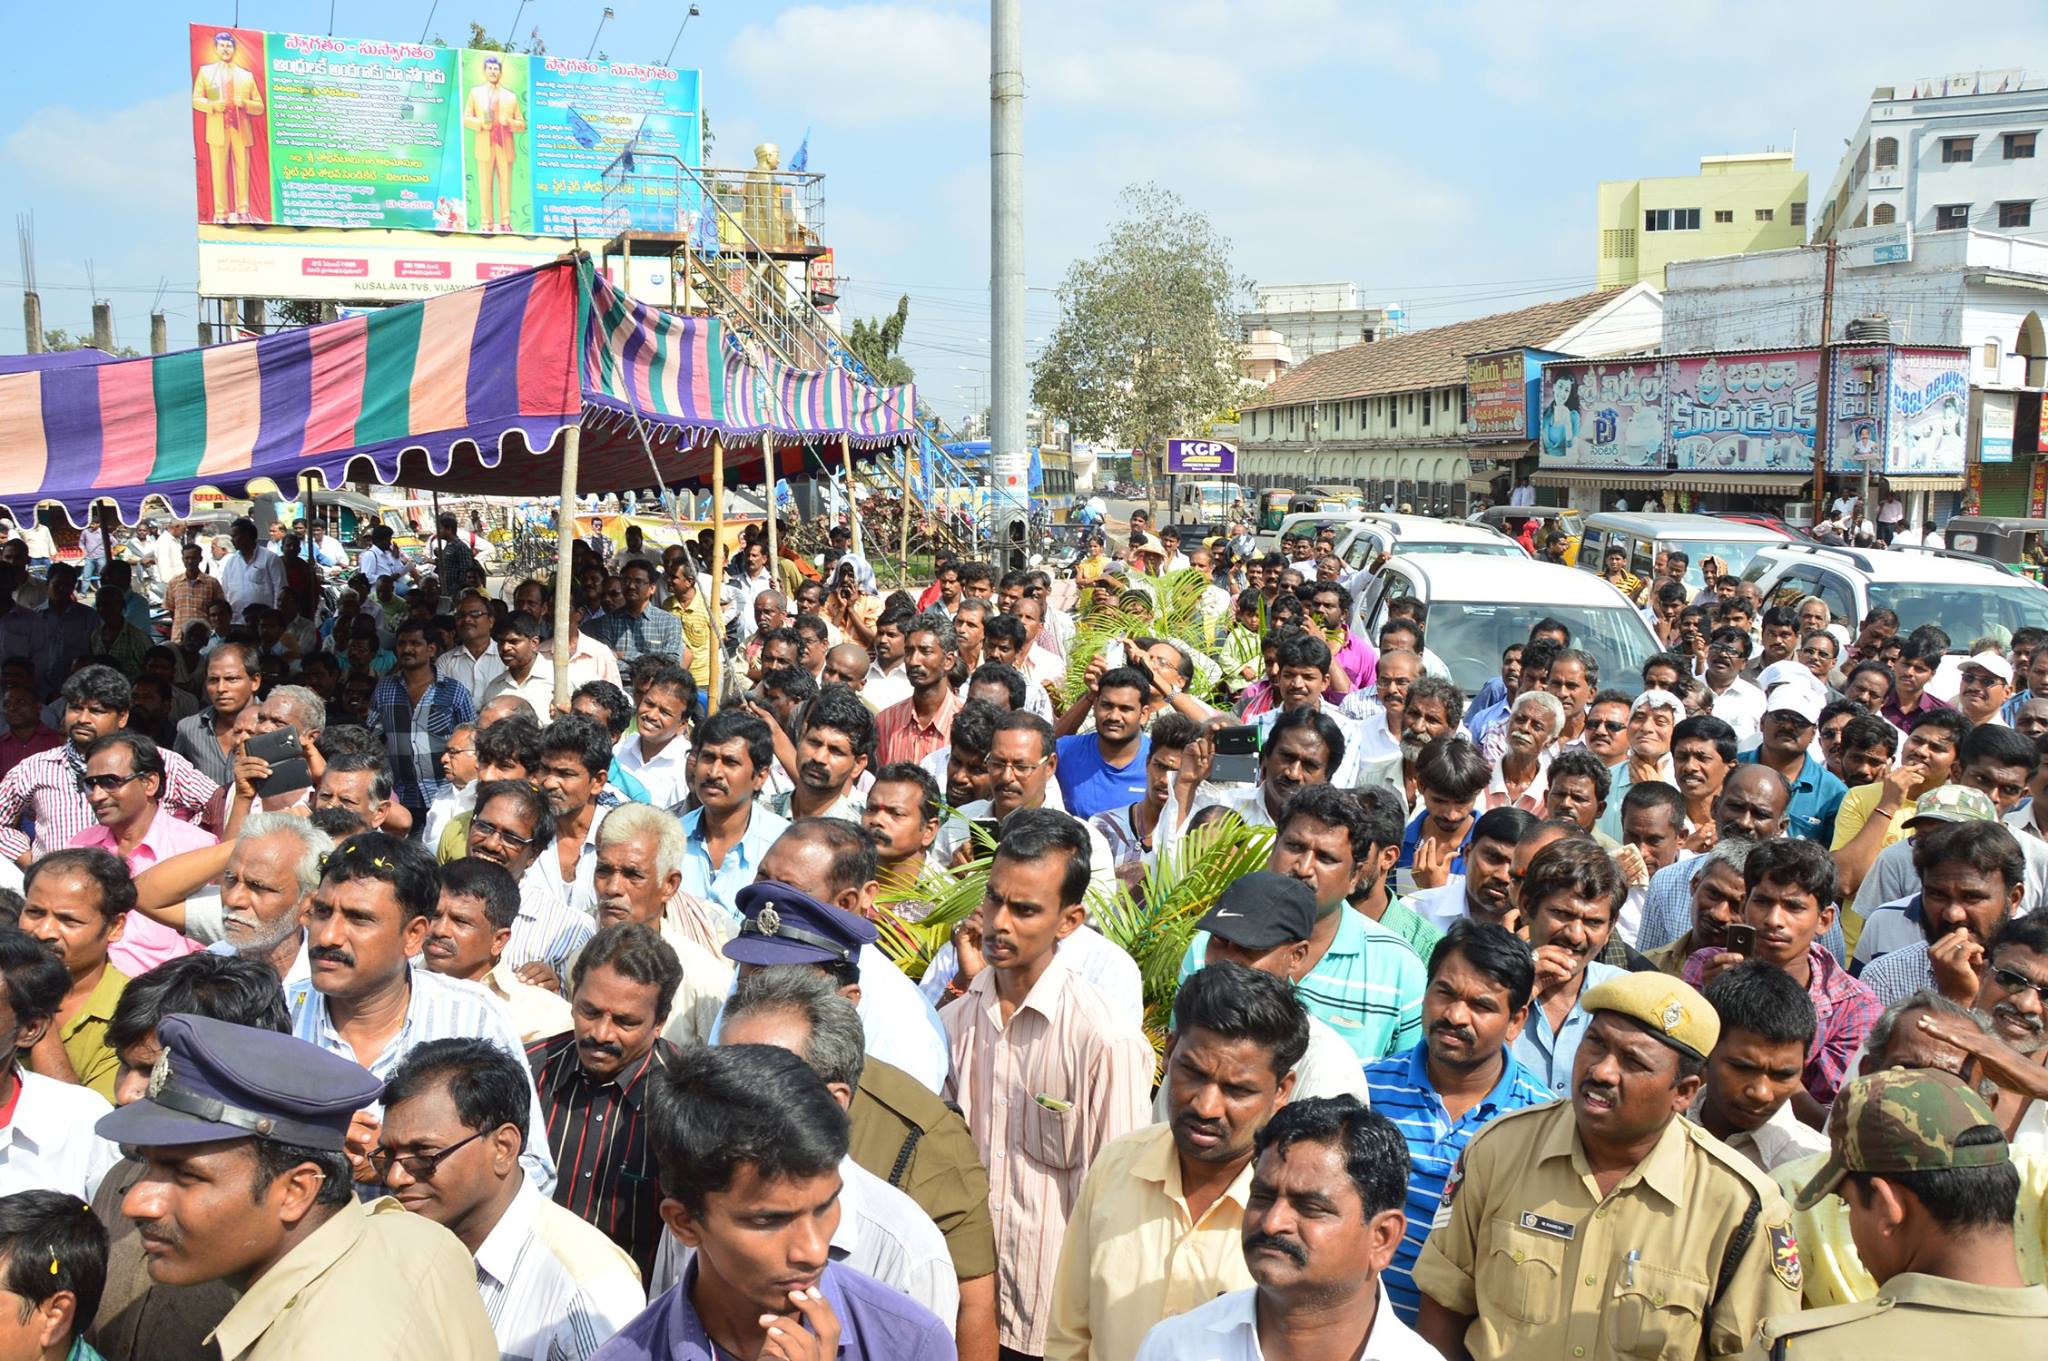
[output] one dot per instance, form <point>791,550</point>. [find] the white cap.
<point>1992,661</point>
<point>1791,697</point>
<point>1787,672</point>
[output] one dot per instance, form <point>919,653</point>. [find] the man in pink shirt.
<point>25,733</point>
<point>124,783</point>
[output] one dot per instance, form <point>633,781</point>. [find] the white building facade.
<point>1313,319</point>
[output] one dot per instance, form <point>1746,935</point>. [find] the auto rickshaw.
<point>1507,519</point>
<point>2010,540</point>
<point>1273,507</point>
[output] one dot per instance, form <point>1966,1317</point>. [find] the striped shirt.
<point>900,735</point>
<point>43,794</point>
<point>1844,1010</point>
<point>1041,1096</point>
<point>599,1140</point>
<point>1368,985</point>
<point>1401,1091</point>
<point>438,1008</point>
<point>633,636</point>
<point>553,1287</point>
<point>187,599</point>
<point>416,735</point>
<point>547,928</point>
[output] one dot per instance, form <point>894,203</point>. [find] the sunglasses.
<point>2013,981</point>
<point>107,784</point>
<point>418,1166</point>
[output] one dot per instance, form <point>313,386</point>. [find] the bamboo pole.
<point>713,608</point>
<point>768,468</point>
<point>846,461</point>
<point>903,542</point>
<point>572,447</point>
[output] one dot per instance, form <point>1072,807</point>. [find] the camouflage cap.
<point>1952,803</point>
<point>1903,1120</point>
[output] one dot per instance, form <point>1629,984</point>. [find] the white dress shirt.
<point>255,580</point>
<point>538,689</point>
<point>902,1028</point>
<point>663,774</point>
<point>445,809</point>
<point>1741,707</point>
<point>553,1286</point>
<point>580,890</point>
<point>1227,1329</point>
<point>882,1233</point>
<point>472,673</point>
<point>49,1145</point>
<point>375,563</point>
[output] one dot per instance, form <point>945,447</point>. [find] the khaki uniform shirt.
<point>1524,1242</point>
<point>909,1138</point>
<point>371,1281</point>
<point>1913,1315</point>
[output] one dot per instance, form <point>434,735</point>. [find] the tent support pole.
<point>846,459</point>
<point>714,608</point>
<point>903,543</point>
<point>768,467</point>
<point>572,447</point>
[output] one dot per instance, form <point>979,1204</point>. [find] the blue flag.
<point>579,127</point>
<point>801,162</point>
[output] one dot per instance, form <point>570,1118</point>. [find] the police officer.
<point>243,1136</point>
<point>1931,1188</point>
<point>1608,1225</point>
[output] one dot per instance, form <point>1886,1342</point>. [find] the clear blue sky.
<point>1445,156</point>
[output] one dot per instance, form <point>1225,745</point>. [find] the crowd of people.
<point>359,997</point>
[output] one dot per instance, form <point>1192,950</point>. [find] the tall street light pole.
<point>1009,464</point>
<point>602,19</point>
<point>690,14</point>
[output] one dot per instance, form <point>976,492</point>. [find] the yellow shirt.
<point>85,1035</point>
<point>1835,1274</point>
<point>538,1013</point>
<point>1857,806</point>
<point>697,635</point>
<point>1131,1256</point>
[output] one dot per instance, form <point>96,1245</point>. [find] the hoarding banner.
<point>1930,403</point>
<point>1743,413</point>
<point>1605,415</point>
<point>1205,457</point>
<point>1856,411</point>
<point>1995,423</point>
<point>1497,403</point>
<point>297,129</point>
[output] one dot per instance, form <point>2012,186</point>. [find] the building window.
<point>1951,217</point>
<point>1767,214</point>
<point>1956,150</point>
<point>2019,214</point>
<point>1991,354</point>
<point>1671,219</point>
<point>1411,403</point>
<point>2019,146</point>
<point>1799,214</point>
<point>1724,214</point>
<point>1887,153</point>
<point>1883,215</point>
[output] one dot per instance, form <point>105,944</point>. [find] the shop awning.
<point>1924,483</point>
<point>1709,482</point>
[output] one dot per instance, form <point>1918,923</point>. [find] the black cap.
<point>217,1080</point>
<point>1262,910</point>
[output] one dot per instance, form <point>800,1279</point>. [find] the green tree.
<point>60,339</point>
<point>1147,343</point>
<point>876,344</point>
<point>480,40</point>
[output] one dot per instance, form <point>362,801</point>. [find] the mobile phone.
<point>287,760</point>
<point>1237,755</point>
<point>992,828</point>
<point>1740,939</point>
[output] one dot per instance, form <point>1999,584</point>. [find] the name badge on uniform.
<point>1554,1228</point>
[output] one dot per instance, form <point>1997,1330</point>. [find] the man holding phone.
<point>1790,892</point>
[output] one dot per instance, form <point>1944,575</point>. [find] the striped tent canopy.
<point>464,392</point>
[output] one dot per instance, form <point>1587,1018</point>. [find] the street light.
<point>693,12</point>
<point>512,33</point>
<point>601,19</point>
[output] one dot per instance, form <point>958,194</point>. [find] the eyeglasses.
<point>418,1166</point>
<point>1014,767</point>
<point>480,827</point>
<point>107,784</point>
<point>462,751</point>
<point>1606,724</point>
<point>472,614</point>
<point>2012,980</point>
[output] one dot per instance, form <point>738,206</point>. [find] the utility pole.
<point>1009,465</point>
<point>1827,378</point>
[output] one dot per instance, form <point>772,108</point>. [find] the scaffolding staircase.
<point>729,238</point>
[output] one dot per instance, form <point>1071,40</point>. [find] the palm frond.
<point>1167,607</point>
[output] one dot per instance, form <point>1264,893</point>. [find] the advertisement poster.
<point>1926,428</point>
<point>1605,415</point>
<point>230,124</point>
<point>1744,413</point>
<point>359,133</point>
<point>584,113</point>
<point>1201,456</point>
<point>1856,412</point>
<point>1497,404</point>
<point>302,130</point>
<point>1995,422</point>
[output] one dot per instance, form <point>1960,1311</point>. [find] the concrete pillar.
<point>159,333</point>
<point>103,326</point>
<point>252,315</point>
<point>32,320</point>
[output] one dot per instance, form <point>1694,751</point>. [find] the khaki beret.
<point>1669,1008</point>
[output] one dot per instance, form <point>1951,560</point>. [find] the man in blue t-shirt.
<point>1105,769</point>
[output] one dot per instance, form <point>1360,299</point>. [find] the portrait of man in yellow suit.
<point>494,117</point>
<point>228,94</point>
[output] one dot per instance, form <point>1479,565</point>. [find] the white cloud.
<point>138,157</point>
<point>888,61</point>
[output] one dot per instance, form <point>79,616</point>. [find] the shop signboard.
<point>1856,410</point>
<point>1603,415</point>
<point>1927,424</point>
<point>1744,413</point>
<point>1995,421</point>
<point>1497,396</point>
<point>1202,457</point>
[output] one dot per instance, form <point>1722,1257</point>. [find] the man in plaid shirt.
<point>45,791</point>
<point>417,712</point>
<point>639,629</point>
<point>187,597</point>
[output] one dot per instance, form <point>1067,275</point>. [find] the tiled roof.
<point>1425,359</point>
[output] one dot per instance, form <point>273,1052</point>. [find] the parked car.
<point>1376,532</point>
<point>1643,536</point>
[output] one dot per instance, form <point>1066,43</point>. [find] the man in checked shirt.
<point>45,793</point>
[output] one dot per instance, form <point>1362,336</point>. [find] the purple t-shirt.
<point>875,1324</point>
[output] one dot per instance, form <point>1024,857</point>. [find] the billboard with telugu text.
<point>1751,413</point>
<point>304,130</point>
<point>1497,402</point>
<point>1929,418</point>
<point>1605,415</point>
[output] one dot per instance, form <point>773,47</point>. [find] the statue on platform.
<point>767,215</point>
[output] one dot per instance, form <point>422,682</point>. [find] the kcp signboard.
<point>1201,456</point>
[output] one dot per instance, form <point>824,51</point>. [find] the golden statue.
<point>767,215</point>
<point>232,102</point>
